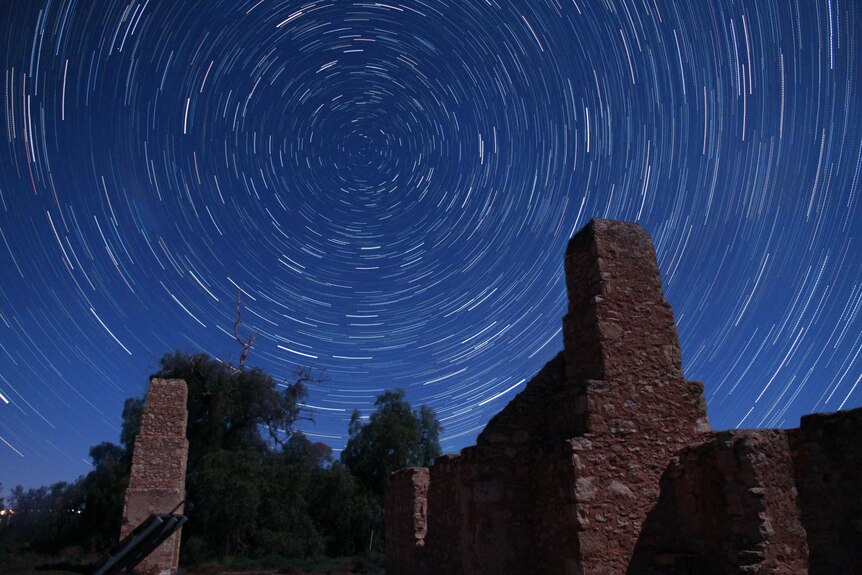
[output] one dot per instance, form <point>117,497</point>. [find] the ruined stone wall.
<point>522,441</point>
<point>622,353</point>
<point>728,506</point>
<point>157,481</point>
<point>447,549</point>
<point>617,388</point>
<point>406,520</point>
<point>481,502</point>
<point>471,511</point>
<point>828,465</point>
<point>557,521</point>
<point>604,463</point>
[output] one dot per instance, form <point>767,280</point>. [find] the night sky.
<point>392,185</point>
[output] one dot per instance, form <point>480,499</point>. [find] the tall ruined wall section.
<point>622,353</point>
<point>541,492</point>
<point>605,465</point>
<point>157,481</point>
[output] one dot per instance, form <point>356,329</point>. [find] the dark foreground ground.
<point>25,563</point>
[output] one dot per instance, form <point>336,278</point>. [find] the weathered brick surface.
<point>573,476</point>
<point>546,407</point>
<point>157,482</point>
<point>481,502</point>
<point>828,462</point>
<point>557,520</point>
<point>159,462</point>
<point>635,429</point>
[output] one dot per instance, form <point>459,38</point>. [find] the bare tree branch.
<point>246,344</point>
<point>281,427</point>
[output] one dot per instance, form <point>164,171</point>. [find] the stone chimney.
<point>157,482</point>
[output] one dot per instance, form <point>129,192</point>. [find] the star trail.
<point>392,185</point>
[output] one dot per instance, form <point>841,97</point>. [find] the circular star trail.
<point>392,185</point>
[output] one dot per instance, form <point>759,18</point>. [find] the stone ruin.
<point>605,463</point>
<point>158,478</point>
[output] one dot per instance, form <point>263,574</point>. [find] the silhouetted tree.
<point>299,450</point>
<point>133,408</point>
<point>245,344</point>
<point>344,511</point>
<point>103,491</point>
<point>395,436</point>
<point>227,499</point>
<point>287,525</point>
<point>227,408</point>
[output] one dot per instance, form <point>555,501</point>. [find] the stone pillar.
<point>634,408</point>
<point>157,482</point>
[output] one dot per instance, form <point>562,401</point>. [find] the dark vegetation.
<point>259,494</point>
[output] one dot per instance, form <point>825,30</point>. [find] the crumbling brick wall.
<point>622,355</point>
<point>480,512</point>
<point>480,503</point>
<point>157,482</point>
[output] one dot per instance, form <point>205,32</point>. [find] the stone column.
<point>157,482</point>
